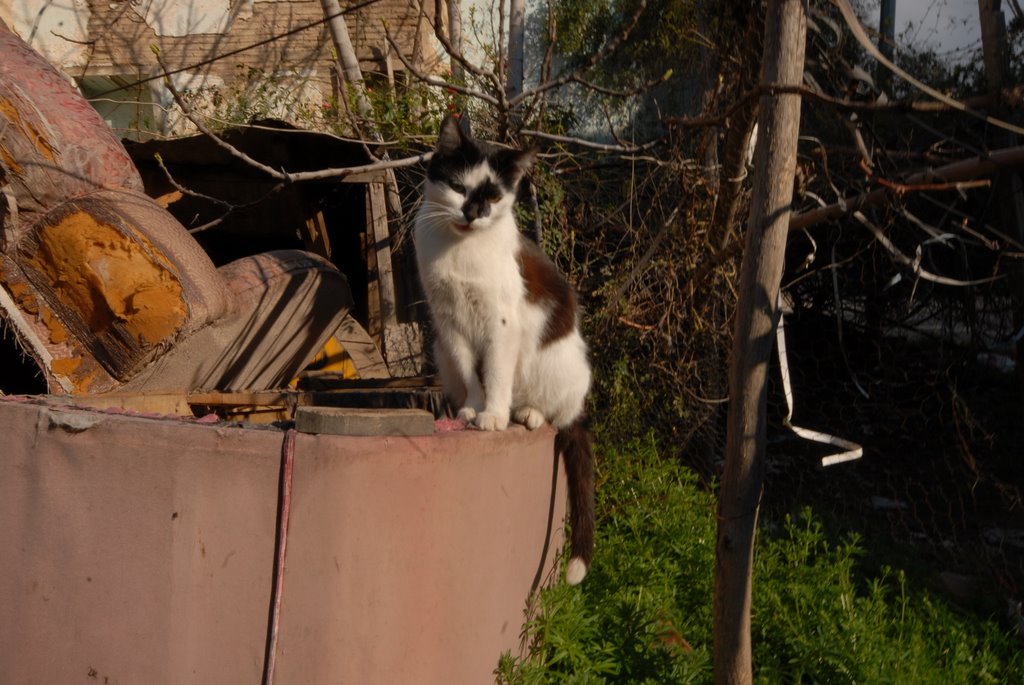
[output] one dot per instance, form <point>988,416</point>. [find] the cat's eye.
<point>457,187</point>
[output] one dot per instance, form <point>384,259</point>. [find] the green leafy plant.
<point>644,613</point>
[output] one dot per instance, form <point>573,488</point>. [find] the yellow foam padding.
<point>331,357</point>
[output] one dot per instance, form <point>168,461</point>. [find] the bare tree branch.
<point>816,95</point>
<point>915,263</point>
<point>631,92</point>
<point>228,206</point>
<point>454,32</point>
<point>500,49</point>
<point>862,37</point>
<point>610,47</point>
<point>646,257</point>
<point>962,170</point>
<point>295,177</point>
<point>500,99</point>
<point>455,52</point>
<point>232,53</point>
<point>438,82</point>
<point>549,50</point>
<point>582,142</point>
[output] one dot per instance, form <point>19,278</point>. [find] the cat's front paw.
<point>529,417</point>
<point>466,415</point>
<point>486,421</point>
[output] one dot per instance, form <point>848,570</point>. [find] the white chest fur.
<point>470,280</point>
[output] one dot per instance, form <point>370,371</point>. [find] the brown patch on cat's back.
<point>547,287</point>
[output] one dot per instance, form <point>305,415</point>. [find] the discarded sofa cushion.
<point>284,305</point>
<point>54,144</point>
<point>105,289</point>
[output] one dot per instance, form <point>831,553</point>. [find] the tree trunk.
<point>771,204</point>
<point>993,49</point>
<point>455,36</point>
<point>346,54</point>
<point>516,54</point>
<point>354,76</point>
<point>733,171</point>
<point>740,34</point>
<point>1009,185</point>
<point>886,42</point>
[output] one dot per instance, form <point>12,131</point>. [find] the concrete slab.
<point>348,421</point>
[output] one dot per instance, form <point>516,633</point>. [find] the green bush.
<point>819,618</point>
<point>644,613</point>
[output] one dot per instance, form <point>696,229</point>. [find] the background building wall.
<point>108,45</point>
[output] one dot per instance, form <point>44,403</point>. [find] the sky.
<point>950,27</point>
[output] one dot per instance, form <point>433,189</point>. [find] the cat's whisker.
<point>438,214</point>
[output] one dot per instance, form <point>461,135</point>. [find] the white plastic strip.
<point>850,450</point>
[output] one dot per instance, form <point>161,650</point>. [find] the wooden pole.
<point>1009,184</point>
<point>760,274</point>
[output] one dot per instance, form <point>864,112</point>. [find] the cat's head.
<point>471,185</point>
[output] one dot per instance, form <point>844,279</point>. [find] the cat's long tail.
<point>573,442</point>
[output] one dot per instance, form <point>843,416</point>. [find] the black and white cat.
<point>508,344</point>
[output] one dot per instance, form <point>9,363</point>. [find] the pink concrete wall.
<point>410,559</point>
<point>135,550</point>
<point>141,551</point>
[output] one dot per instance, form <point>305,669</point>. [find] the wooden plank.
<point>362,349</point>
<point>171,404</point>
<point>374,324</point>
<point>253,398</point>
<point>315,239</point>
<point>381,244</point>
<point>329,380</point>
<point>404,344</point>
<point>364,177</point>
<point>254,407</point>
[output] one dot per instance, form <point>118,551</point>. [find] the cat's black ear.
<point>512,165</point>
<point>450,138</point>
<point>526,159</point>
<point>517,163</point>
